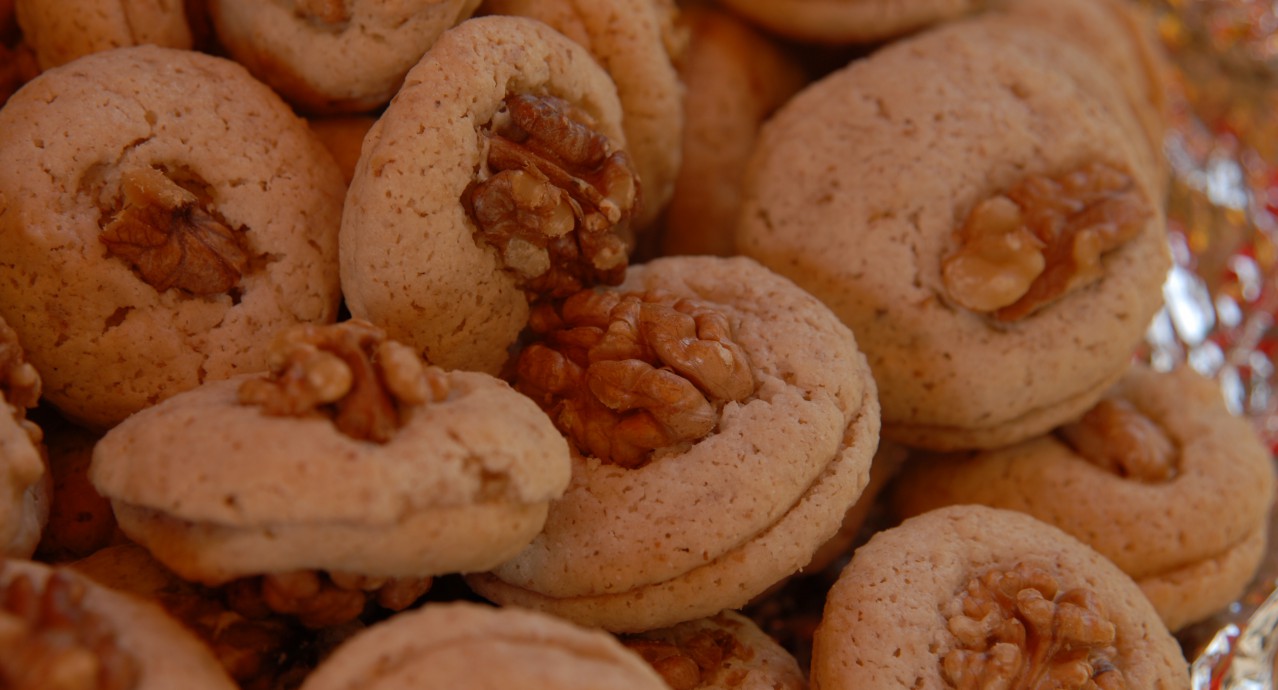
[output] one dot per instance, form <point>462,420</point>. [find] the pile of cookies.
<point>539,343</point>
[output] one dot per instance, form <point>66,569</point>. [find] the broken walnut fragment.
<point>557,200</point>
<point>1118,438</point>
<point>164,234</point>
<point>48,639</point>
<point>1043,238</point>
<point>687,665</point>
<point>624,374</point>
<point>1015,630</point>
<point>322,600</point>
<point>349,372</point>
<point>19,382</point>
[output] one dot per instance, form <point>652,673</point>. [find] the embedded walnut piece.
<point>326,13</point>
<point>19,381</point>
<point>685,666</point>
<point>322,600</point>
<point>1015,630</point>
<point>49,640</point>
<point>1115,436</point>
<point>1042,239</point>
<point>622,375</point>
<point>170,240</point>
<point>556,201</point>
<point>349,372</point>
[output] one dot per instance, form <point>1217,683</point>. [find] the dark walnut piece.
<point>49,640</point>
<point>689,664</point>
<point>322,600</point>
<point>165,234</point>
<point>1024,249</point>
<point>19,382</point>
<point>1015,630</point>
<point>1116,437</point>
<point>556,200</point>
<point>348,372</point>
<point>624,374</point>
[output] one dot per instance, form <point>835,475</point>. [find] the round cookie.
<point>734,78</point>
<point>350,457</point>
<point>62,30</point>
<point>849,21</point>
<point>463,645</point>
<point>333,57</point>
<point>1133,478</point>
<point>726,651</point>
<point>959,597</point>
<point>53,615</point>
<point>631,40</point>
<point>24,478</point>
<point>723,427</point>
<point>159,210</point>
<point>430,249</point>
<point>980,218</point>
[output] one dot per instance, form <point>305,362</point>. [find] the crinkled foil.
<point>1222,295</point>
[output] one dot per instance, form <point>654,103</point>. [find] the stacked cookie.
<point>308,385</point>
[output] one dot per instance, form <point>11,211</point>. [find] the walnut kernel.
<point>625,374</point>
<point>1116,437</point>
<point>1042,239</point>
<point>556,200</point>
<point>323,600</point>
<point>689,663</point>
<point>1015,630</point>
<point>20,384</point>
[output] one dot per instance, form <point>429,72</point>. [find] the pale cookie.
<point>350,457</point>
<point>159,210</point>
<point>1159,477</point>
<point>726,651</point>
<point>630,39</point>
<point>464,645</point>
<point>988,225</point>
<point>969,596</point>
<point>62,30</point>
<point>24,477</point>
<point>724,422</point>
<point>333,56</point>
<point>54,616</point>
<point>849,21</point>
<point>734,78</point>
<point>498,174</point>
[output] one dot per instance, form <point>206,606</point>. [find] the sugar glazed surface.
<point>598,343</point>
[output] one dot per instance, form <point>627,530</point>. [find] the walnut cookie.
<point>726,651</point>
<point>158,210</point>
<point>497,175</point>
<point>724,422</point>
<point>352,466</point>
<point>970,597</point>
<point>333,56</point>
<point>849,21</point>
<point>467,645</point>
<point>60,31</point>
<point>62,630</point>
<point>1158,477</point>
<point>24,476</point>
<point>990,226</point>
<point>633,41</point>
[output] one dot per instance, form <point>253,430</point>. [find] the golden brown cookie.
<point>62,30</point>
<point>726,651</point>
<point>351,457</point>
<point>724,422</point>
<point>465,645</point>
<point>985,220</point>
<point>734,78</point>
<point>498,174</point>
<point>329,56</point>
<point>63,630</point>
<point>631,40</point>
<point>849,21</point>
<point>970,596</point>
<point>1135,478</point>
<point>160,209</point>
<point>24,477</point>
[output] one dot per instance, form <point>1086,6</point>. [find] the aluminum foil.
<point>1222,295</point>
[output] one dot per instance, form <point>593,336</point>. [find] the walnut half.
<point>1015,630</point>
<point>556,200</point>
<point>1024,249</point>
<point>688,664</point>
<point>349,372</point>
<point>48,639</point>
<point>623,374</point>
<point>1116,437</point>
